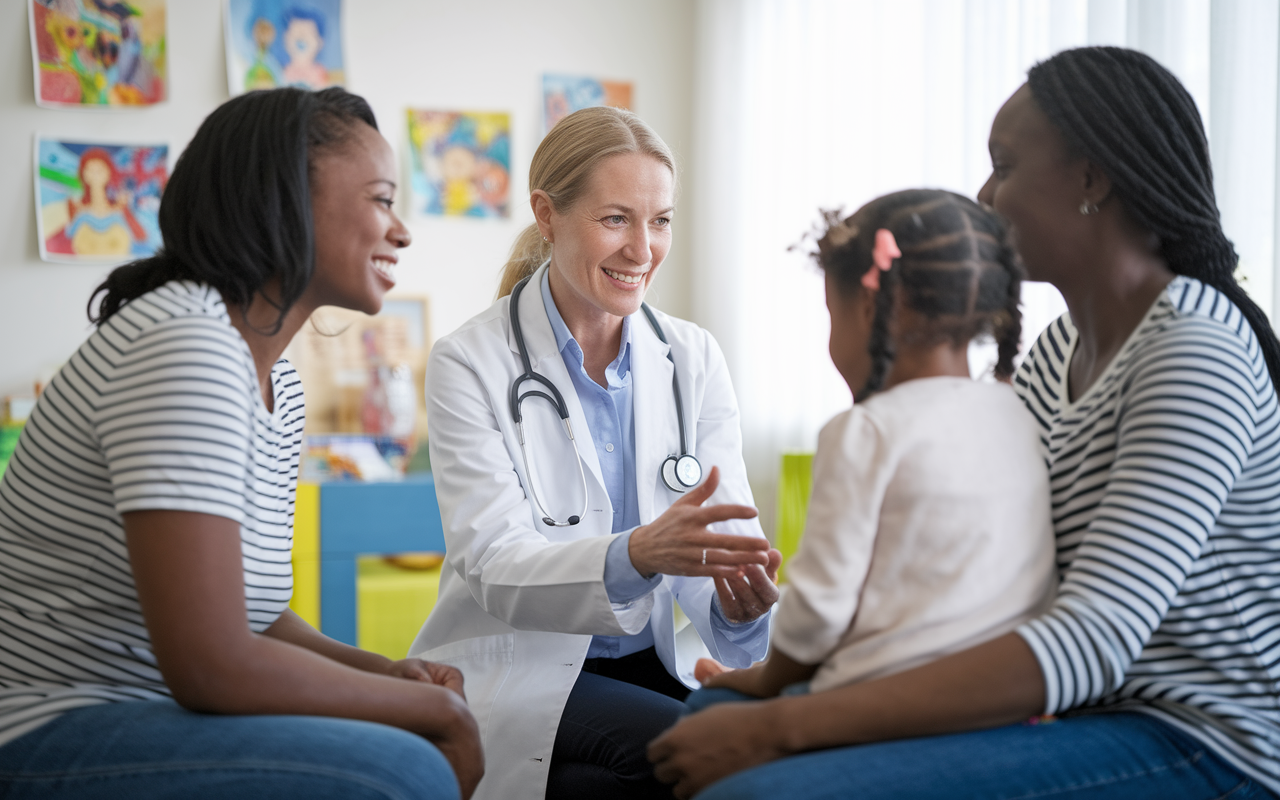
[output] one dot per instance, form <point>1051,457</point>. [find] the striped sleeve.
<point>176,426</point>
<point>1167,456</point>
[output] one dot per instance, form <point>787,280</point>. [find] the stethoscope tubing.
<point>556,399</point>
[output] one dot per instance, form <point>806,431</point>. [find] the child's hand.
<point>750,681</point>
<point>706,668</point>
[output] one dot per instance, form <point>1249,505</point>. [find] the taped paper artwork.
<point>274,43</point>
<point>99,203</point>
<point>461,163</point>
<point>99,53</point>
<point>564,94</point>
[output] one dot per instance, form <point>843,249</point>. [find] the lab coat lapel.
<point>540,341</point>
<point>657,434</point>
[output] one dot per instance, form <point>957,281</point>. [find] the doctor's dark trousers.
<point>617,706</point>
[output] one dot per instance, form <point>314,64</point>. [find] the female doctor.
<point>570,429</point>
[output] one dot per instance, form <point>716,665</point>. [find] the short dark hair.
<point>237,209</point>
<point>1123,111</point>
<point>956,269</point>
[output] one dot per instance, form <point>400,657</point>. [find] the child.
<point>928,529</point>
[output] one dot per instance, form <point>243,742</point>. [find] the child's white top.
<point>928,531</point>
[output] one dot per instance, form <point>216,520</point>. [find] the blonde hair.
<point>564,163</point>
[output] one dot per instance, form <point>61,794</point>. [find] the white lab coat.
<point>519,600</point>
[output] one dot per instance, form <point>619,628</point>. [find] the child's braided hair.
<point>956,270</point>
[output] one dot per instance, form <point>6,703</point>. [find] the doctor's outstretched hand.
<point>679,543</point>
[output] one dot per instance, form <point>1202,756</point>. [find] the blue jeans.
<point>1098,756</point>
<point>156,749</point>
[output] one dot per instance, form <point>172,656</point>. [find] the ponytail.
<point>527,254</point>
<point>236,212</point>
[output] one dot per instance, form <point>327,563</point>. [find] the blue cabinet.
<point>369,518</point>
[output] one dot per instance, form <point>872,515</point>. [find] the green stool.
<point>8,441</point>
<point>795,481</point>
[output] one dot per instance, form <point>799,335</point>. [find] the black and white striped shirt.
<point>159,409</point>
<point>1165,478</point>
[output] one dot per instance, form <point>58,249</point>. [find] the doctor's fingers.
<point>719,563</point>
<point>756,546</point>
<point>702,492</point>
<point>746,596</point>
<point>705,515</point>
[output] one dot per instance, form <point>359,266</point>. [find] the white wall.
<point>445,55</point>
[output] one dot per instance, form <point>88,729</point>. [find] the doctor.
<point>570,429</point>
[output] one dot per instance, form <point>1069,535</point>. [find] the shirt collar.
<point>621,365</point>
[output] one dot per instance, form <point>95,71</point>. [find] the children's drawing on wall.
<point>461,162</point>
<point>99,202</point>
<point>564,94</point>
<point>99,52</point>
<point>274,43</point>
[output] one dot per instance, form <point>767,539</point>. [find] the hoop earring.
<point>1087,208</point>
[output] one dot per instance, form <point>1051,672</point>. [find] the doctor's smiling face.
<point>608,245</point>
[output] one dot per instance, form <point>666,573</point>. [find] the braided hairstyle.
<point>1131,117</point>
<point>957,271</point>
<point>237,210</point>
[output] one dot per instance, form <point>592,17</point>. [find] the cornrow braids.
<point>1135,120</point>
<point>956,271</point>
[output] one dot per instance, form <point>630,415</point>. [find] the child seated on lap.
<point>928,529</point>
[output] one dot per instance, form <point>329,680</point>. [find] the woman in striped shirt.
<point>146,646</point>
<point>1157,405</point>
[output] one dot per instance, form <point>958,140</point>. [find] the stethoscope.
<point>679,472</point>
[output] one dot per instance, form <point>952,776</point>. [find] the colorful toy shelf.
<point>338,587</point>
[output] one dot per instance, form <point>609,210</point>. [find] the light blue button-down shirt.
<point>611,421</point>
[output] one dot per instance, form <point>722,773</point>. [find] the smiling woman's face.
<point>357,233</point>
<point>1037,184</point>
<point>608,246</point>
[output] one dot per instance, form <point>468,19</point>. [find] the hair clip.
<point>882,256</point>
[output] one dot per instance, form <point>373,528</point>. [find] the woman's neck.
<point>1106,302</point>
<point>597,332</point>
<point>257,328</point>
<point>98,202</point>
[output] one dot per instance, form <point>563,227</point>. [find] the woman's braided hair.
<point>956,271</point>
<point>1132,117</point>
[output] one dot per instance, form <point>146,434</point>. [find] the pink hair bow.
<point>882,256</point>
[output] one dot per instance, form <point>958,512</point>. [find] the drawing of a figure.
<point>303,40</point>
<point>102,223</point>
<point>274,43</point>
<point>263,71</point>
<point>99,52</point>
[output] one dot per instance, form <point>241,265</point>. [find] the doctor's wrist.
<point>645,573</point>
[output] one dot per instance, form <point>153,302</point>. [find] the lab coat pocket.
<point>485,663</point>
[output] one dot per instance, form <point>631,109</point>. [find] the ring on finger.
<point>704,556</point>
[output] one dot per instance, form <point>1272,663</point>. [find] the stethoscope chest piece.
<point>681,473</point>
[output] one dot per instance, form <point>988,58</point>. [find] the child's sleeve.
<point>851,473</point>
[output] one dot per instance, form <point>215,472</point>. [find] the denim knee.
<point>699,699</point>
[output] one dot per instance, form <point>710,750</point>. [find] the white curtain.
<point>809,104</point>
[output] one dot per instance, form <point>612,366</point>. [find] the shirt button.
<point>608,448</point>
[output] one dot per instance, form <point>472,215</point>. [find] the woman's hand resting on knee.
<point>679,543</point>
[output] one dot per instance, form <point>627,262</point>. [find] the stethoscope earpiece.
<point>679,472</point>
